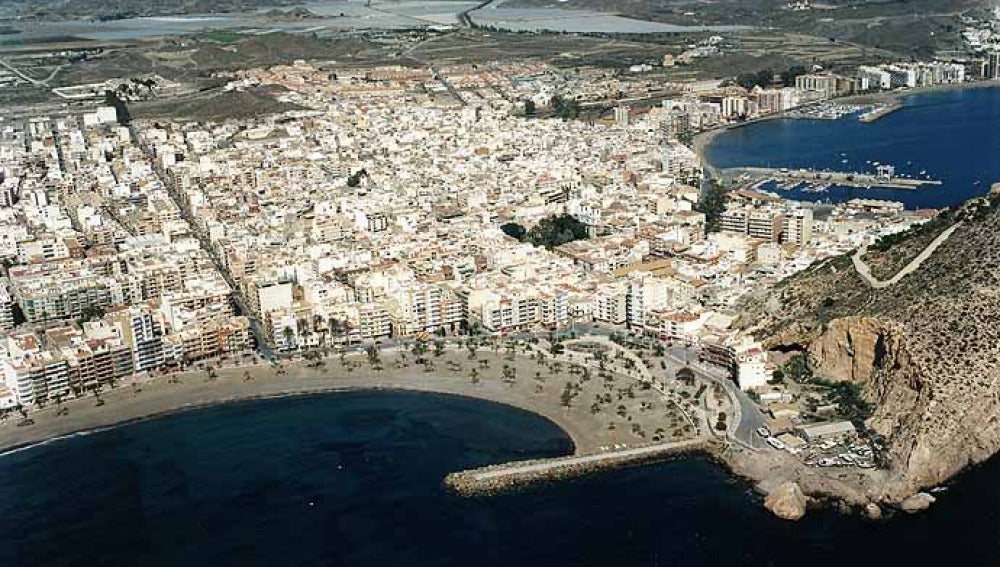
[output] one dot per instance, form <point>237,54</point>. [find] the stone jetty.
<point>498,478</point>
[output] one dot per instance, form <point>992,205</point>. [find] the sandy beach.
<point>608,410</point>
<point>636,414</point>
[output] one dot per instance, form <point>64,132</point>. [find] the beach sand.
<point>154,397</point>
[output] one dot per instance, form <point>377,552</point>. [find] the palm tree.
<point>289,334</point>
<point>335,326</point>
<point>347,331</point>
<point>373,354</point>
<point>509,374</point>
<point>247,377</point>
<point>475,376</point>
<point>419,350</point>
<point>317,323</point>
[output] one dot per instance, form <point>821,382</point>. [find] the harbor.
<point>789,178</point>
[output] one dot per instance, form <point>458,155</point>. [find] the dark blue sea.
<point>952,136</point>
<point>354,479</point>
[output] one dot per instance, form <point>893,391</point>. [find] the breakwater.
<point>880,112</point>
<point>499,478</point>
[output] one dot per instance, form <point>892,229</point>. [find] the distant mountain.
<point>103,10</point>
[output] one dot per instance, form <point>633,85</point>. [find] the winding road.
<point>864,270</point>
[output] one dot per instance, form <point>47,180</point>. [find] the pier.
<point>845,179</point>
<point>880,112</point>
<point>497,478</point>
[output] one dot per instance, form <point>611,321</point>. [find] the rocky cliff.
<point>926,350</point>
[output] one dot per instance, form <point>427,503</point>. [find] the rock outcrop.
<point>787,501</point>
<point>917,503</point>
<point>926,350</point>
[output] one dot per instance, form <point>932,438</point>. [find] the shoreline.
<point>763,470</point>
<point>251,397</point>
<point>157,397</point>
<point>136,409</point>
<point>702,141</point>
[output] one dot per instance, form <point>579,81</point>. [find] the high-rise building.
<point>621,115</point>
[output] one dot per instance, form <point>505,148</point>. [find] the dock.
<point>844,179</point>
<point>498,478</point>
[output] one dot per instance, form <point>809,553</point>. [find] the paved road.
<point>263,344</point>
<point>866,273</point>
<point>748,415</point>
<point>576,461</point>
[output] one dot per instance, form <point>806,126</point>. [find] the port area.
<point>499,478</point>
<point>880,111</point>
<point>762,175</point>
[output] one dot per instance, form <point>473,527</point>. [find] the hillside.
<point>926,350</point>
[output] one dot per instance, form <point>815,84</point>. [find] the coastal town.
<point>566,215</point>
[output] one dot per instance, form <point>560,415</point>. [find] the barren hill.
<point>926,349</point>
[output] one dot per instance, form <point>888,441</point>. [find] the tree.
<point>529,107</point>
<point>712,204</point>
<point>471,345</point>
<point>685,375</point>
<point>373,354</point>
<point>91,313</point>
<point>289,334</point>
<point>566,397</point>
<point>565,109</point>
<point>354,179</point>
<point>509,374</point>
<point>514,230</point>
<point>761,78</point>
<point>556,348</point>
<point>438,347</point>
<point>419,350</point>
<point>111,98</point>
<point>797,369</point>
<point>556,230</point>
<point>788,77</point>
<point>474,376</point>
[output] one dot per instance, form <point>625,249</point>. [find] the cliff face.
<point>926,350</point>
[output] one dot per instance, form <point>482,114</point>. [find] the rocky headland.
<point>925,351</point>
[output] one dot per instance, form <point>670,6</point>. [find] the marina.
<point>820,181</point>
<point>824,111</point>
